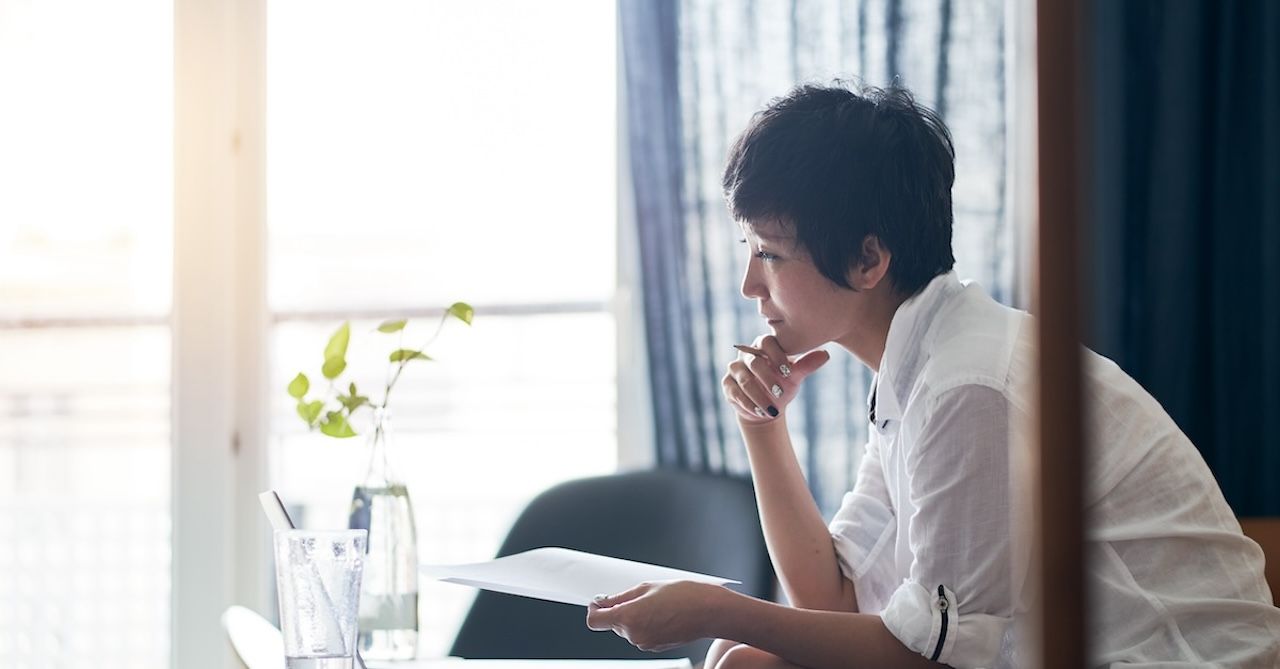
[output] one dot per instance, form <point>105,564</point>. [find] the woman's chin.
<point>786,338</point>
<point>777,329</point>
<point>793,343</point>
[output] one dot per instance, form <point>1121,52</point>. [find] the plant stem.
<point>386,395</point>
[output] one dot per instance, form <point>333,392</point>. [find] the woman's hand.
<point>657,616</point>
<point>761,386</point>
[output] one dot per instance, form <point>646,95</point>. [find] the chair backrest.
<point>1266,532</point>
<point>688,521</point>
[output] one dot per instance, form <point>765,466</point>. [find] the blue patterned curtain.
<point>696,70</point>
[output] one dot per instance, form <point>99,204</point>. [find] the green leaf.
<point>310,411</point>
<point>299,386</point>
<point>462,311</point>
<point>392,326</point>
<point>405,354</point>
<point>333,367</point>
<point>337,347</point>
<point>337,426</point>
<point>352,402</point>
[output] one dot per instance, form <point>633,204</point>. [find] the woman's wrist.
<point>719,605</point>
<point>732,615</point>
<point>765,429</point>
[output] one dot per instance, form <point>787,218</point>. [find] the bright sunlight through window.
<point>86,216</point>
<point>421,153</point>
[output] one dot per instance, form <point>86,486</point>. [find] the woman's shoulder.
<point>977,342</point>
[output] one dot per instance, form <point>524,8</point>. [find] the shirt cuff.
<point>934,624</point>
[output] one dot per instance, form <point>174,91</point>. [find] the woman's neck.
<point>866,340</point>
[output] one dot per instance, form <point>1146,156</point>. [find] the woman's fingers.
<point>778,358</point>
<point>739,400</point>
<point>752,404</point>
<point>809,363</point>
<point>763,380</point>
<point>769,377</point>
<point>602,611</point>
<point>793,369</point>
<point>754,388</point>
<point>772,369</point>
<point>606,601</point>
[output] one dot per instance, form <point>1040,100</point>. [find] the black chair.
<point>695,522</point>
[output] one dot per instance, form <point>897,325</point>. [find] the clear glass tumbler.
<point>318,582</point>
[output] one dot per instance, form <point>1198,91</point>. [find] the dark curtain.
<point>1186,240</point>
<point>695,71</point>
<point>649,43</point>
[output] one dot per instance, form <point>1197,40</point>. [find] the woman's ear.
<point>873,265</point>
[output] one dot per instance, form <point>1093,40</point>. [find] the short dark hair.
<point>835,165</point>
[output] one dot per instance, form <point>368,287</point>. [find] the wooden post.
<point>1059,622</point>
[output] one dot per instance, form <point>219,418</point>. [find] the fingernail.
<point>776,390</point>
<point>773,411</point>
<point>760,412</point>
<point>599,598</point>
<point>785,369</point>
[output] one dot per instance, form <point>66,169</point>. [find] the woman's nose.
<point>751,285</point>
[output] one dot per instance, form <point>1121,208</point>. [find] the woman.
<point>844,201</point>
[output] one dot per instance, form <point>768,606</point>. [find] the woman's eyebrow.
<point>775,238</point>
<point>748,230</point>
<point>772,237</point>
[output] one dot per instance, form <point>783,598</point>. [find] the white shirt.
<point>926,534</point>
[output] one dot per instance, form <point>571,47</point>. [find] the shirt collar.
<point>906,345</point>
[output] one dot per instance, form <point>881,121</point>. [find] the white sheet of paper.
<point>561,575</point>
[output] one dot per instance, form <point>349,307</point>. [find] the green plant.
<point>332,413</point>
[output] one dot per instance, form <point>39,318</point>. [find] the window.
<point>422,153</point>
<point>419,153</point>
<point>86,208</point>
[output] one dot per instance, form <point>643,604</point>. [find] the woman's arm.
<point>799,542</point>
<point>813,639</point>
<point>661,616</point>
<point>961,550</point>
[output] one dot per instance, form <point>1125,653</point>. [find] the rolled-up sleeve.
<point>863,532</point>
<point>955,605</point>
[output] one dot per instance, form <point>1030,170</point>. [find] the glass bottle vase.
<point>389,592</point>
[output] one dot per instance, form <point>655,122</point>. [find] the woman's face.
<point>802,307</point>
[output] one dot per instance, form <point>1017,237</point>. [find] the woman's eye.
<point>761,254</point>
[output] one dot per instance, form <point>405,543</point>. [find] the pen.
<point>750,349</point>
